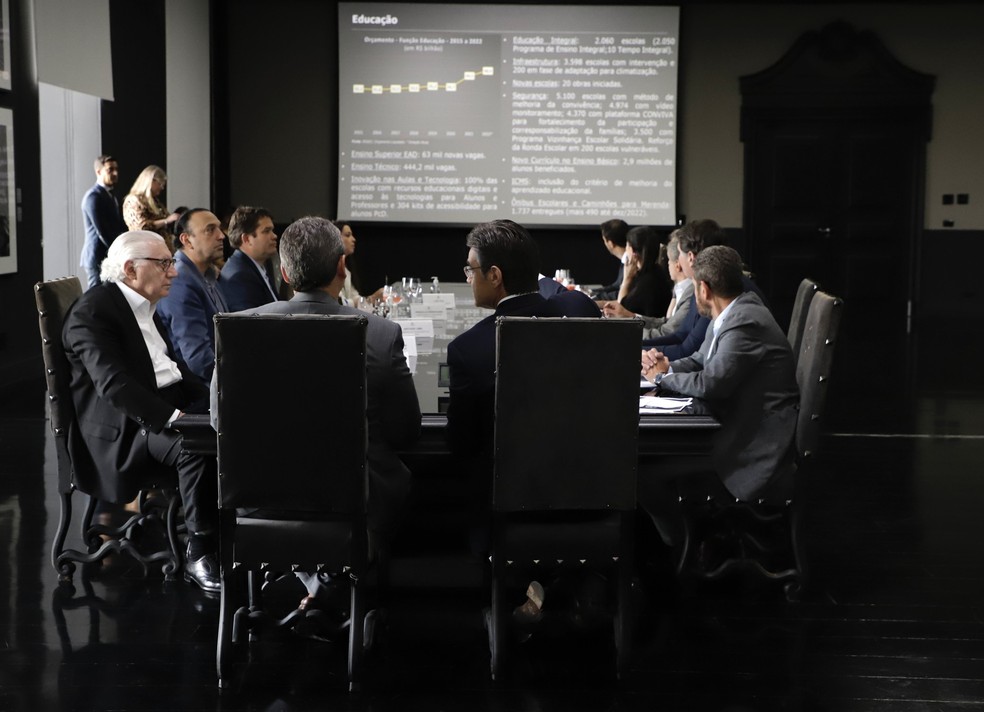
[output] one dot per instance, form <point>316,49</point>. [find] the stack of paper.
<point>660,404</point>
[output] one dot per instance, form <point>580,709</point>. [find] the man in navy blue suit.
<point>195,295</point>
<point>247,277</point>
<point>101,217</point>
<point>502,269</point>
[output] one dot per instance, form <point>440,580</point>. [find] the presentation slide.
<point>549,115</point>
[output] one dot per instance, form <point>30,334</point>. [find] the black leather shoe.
<point>203,572</point>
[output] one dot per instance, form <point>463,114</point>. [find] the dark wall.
<point>20,351</point>
<point>134,125</point>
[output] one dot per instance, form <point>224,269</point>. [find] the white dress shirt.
<point>166,371</point>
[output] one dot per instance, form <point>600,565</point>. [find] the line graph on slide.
<point>417,87</point>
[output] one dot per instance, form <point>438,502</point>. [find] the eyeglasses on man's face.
<point>469,271</point>
<point>165,263</point>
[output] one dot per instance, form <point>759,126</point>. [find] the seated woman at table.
<point>646,288</point>
<point>142,211</point>
<point>349,294</point>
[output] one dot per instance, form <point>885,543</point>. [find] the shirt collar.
<point>138,303</point>
<point>724,313</point>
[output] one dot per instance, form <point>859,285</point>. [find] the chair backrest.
<point>813,368</point>
<point>53,299</point>
<point>550,375</point>
<point>801,307</point>
<point>292,431</point>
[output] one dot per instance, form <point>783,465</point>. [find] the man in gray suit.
<point>312,262</point>
<point>745,373</point>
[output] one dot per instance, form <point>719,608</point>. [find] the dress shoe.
<point>204,573</point>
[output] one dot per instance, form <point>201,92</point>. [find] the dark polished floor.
<point>894,621</point>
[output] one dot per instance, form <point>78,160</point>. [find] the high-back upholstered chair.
<point>292,439</point>
<point>562,498</point>
<point>747,525</point>
<point>801,308</point>
<point>53,300</point>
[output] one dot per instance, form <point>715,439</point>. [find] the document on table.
<point>662,404</point>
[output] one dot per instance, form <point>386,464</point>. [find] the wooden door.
<point>835,137</point>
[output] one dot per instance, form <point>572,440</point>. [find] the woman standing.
<point>142,211</point>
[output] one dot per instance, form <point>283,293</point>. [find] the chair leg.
<point>356,649</point>
<point>173,565</point>
<point>231,596</point>
<point>64,566</point>
<point>623,618</point>
<point>496,628</point>
<point>795,588</point>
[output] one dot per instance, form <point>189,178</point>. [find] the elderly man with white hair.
<point>128,388</point>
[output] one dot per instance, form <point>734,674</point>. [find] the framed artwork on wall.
<point>8,210</point>
<point>5,44</point>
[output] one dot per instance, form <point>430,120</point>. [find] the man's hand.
<point>615,310</point>
<point>653,363</point>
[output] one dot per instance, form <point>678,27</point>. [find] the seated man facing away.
<point>312,262</point>
<point>502,271</point>
<point>745,373</point>
<point>195,295</point>
<point>247,277</point>
<point>129,386</point>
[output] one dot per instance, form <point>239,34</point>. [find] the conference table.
<point>683,433</point>
<point>676,433</point>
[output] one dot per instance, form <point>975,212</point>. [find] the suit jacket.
<point>654,327</point>
<point>567,302</point>
<point>748,379</point>
<point>103,224</point>
<point>471,361</point>
<point>392,408</point>
<point>115,394</point>
<point>187,313</point>
<point>610,291</point>
<point>690,336</point>
<point>242,284</point>
<point>650,293</point>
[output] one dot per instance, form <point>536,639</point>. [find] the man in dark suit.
<point>745,373</point>
<point>129,387</point>
<point>502,268</point>
<point>247,277</point>
<point>195,295</point>
<point>101,217</point>
<point>311,256</point>
<point>613,235</point>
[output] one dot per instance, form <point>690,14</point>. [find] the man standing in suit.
<point>745,373</point>
<point>129,387</point>
<point>101,217</point>
<point>247,277</point>
<point>195,295</point>
<point>312,262</point>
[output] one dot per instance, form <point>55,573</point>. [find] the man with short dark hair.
<point>129,387</point>
<point>247,277</point>
<point>195,295</point>
<point>101,217</point>
<point>744,371</point>
<point>502,269</point>
<point>613,235</point>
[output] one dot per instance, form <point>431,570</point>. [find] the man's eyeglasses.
<point>469,270</point>
<point>165,263</point>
